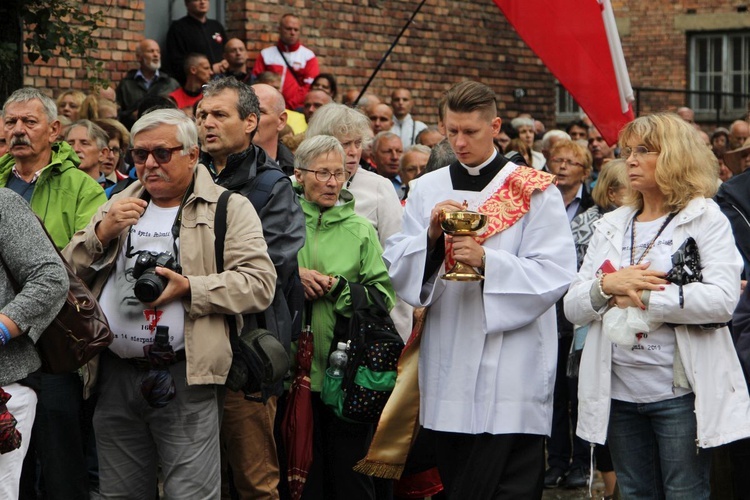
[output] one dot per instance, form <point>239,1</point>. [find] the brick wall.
<point>448,41</point>
<point>118,37</point>
<point>654,37</point>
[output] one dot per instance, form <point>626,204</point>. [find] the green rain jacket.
<point>64,197</point>
<point>344,245</point>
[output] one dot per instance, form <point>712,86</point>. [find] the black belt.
<point>143,364</point>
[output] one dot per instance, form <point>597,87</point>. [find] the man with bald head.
<point>314,100</point>
<point>296,64</point>
<point>403,124</point>
<point>430,137</point>
<point>146,81</point>
<point>272,121</point>
<point>739,131</point>
<point>381,116</point>
<point>687,114</point>
<point>235,54</point>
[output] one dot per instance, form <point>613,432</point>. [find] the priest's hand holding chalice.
<point>460,226</point>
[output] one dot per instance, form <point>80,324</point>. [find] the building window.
<point>720,62</point>
<point>567,109</point>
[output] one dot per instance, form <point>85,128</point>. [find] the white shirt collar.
<point>476,170</point>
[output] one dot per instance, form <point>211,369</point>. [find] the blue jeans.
<point>654,451</point>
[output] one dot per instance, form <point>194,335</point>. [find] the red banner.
<point>578,42</point>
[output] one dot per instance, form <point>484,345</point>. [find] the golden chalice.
<point>463,223</point>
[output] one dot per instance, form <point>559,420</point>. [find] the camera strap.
<point>175,225</point>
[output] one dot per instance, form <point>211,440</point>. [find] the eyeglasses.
<point>161,155</point>
<point>324,175</point>
<point>115,150</point>
<point>357,144</point>
<point>564,161</point>
<point>637,152</point>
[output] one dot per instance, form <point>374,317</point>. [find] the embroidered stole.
<point>506,205</point>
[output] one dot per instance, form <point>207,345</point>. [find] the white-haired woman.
<point>340,248</point>
<point>526,132</point>
<point>376,200</point>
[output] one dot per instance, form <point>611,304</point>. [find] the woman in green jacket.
<point>340,247</point>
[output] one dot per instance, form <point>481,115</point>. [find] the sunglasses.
<point>161,155</point>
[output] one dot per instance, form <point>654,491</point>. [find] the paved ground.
<point>575,494</point>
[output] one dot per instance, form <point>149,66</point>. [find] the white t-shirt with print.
<point>643,373</point>
<point>132,324</point>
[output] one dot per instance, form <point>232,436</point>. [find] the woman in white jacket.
<point>653,382</point>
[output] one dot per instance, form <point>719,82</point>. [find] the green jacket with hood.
<point>64,197</point>
<point>344,245</point>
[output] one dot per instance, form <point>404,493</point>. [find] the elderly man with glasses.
<point>149,256</point>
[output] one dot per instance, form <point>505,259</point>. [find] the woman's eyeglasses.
<point>324,175</point>
<point>564,161</point>
<point>637,152</point>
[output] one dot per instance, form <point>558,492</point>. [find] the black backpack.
<point>374,347</point>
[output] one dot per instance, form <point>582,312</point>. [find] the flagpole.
<point>388,52</point>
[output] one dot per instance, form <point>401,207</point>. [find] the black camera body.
<point>149,285</point>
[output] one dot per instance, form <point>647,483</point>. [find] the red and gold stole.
<point>399,422</point>
<point>506,205</point>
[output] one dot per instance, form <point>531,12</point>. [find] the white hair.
<point>187,133</point>
<point>557,134</point>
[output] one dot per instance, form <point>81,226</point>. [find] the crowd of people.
<point>608,324</point>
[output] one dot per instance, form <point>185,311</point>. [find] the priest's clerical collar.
<point>478,169</point>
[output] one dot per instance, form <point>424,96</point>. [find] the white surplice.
<point>489,350</point>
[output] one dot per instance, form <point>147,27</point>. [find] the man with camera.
<point>149,256</point>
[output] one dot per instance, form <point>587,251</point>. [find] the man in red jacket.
<point>296,64</point>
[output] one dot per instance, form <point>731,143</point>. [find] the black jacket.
<point>285,159</point>
<point>187,35</point>
<point>130,92</point>
<point>734,200</point>
<point>282,220</point>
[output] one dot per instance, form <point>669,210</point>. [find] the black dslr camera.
<point>149,285</point>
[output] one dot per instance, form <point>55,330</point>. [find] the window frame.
<point>718,73</point>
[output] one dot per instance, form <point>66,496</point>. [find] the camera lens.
<point>149,286</point>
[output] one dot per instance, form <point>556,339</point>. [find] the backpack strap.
<point>220,233</point>
<point>260,189</point>
<point>220,229</point>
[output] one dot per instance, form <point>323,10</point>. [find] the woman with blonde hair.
<point>69,104</point>
<point>659,380</point>
<point>95,107</point>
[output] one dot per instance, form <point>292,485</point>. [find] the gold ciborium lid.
<point>463,222</point>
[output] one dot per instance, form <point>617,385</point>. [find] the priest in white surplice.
<point>488,349</point>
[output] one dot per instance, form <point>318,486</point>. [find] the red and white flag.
<point>579,43</point>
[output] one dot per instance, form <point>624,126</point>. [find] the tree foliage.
<point>62,28</point>
<point>53,28</point>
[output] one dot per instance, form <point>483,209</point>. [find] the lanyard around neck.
<point>651,243</point>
